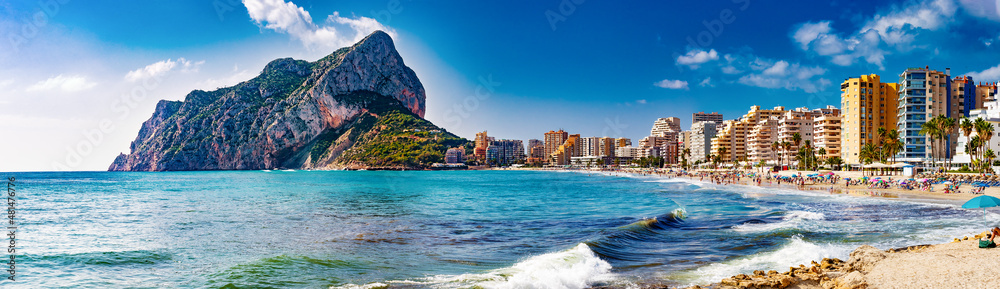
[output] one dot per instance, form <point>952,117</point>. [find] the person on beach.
<point>994,233</point>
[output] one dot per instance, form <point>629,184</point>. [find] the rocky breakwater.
<point>298,115</point>
<point>830,273</point>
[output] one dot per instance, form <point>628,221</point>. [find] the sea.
<point>440,229</point>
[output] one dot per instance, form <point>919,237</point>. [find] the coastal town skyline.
<point>667,60</point>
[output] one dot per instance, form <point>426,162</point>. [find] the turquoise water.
<point>455,229</point>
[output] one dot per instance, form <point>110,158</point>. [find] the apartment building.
<point>826,134</point>
<point>866,104</point>
<point>734,134</point>
<point>923,94</point>
<point>553,139</point>
<point>700,141</point>
<point>663,125</point>
<point>710,117</point>
<point>760,138</point>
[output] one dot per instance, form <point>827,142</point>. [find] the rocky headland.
<point>359,107</point>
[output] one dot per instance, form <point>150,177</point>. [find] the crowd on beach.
<point>937,183</point>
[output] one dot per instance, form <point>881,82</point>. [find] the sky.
<point>78,79</point>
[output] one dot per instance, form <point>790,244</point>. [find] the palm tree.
<point>810,154</point>
<point>881,134</point>
<point>989,156</point>
<point>834,161</point>
<point>930,130</point>
<point>774,149</point>
<point>966,126</point>
<point>684,155</point>
<point>796,140</point>
<point>984,130</point>
<point>722,154</point>
<point>868,153</point>
<point>892,143</point>
<point>973,148</point>
<point>822,155</point>
<point>946,126</point>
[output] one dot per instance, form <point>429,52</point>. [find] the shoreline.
<point>956,264</point>
<point>936,195</point>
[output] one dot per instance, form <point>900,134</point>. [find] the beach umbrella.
<point>984,202</point>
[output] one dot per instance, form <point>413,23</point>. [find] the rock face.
<point>295,114</point>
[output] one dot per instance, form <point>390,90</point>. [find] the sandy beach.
<point>958,264</point>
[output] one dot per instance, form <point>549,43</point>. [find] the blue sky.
<point>78,79</point>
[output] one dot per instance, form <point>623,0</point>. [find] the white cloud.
<point>780,68</point>
<point>286,17</point>
<point>72,83</point>
<point>897,29</point>
<point>990,74</point>
<point>641,101</point>
<point>987,9</point>
<point>730,70</point>
<point>672,84</point>
<point>696,57</point>
<point>160,68</point>
<point>808,32</point>
<point>707,82</point>
<point>769,73</point>
<point>5,83</point>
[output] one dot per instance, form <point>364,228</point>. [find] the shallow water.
<point>455,229</point>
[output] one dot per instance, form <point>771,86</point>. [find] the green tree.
<point>930,130</point>
<point>946,126</point>
<point>722,154</point>
<point>774,151</point>
<point>797,140</point>
<point>834,162</point>
<point>984,130</point>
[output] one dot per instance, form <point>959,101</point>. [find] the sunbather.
<point>994,233</point>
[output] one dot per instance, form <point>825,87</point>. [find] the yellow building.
<point>986,91</point>
<point>623,142</point>
<point>570,148</point>
<point>553,139</point>
<point>482,143</point>
<point>866,104</point>
<point>733,135</point>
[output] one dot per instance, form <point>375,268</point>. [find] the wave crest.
<point>575,268</point>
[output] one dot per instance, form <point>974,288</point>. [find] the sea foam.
<point>575,268</point>
<point>796,252</point>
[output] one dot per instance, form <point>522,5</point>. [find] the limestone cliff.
<point>298,114</point>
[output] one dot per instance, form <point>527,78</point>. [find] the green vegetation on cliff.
<point>389,135</point>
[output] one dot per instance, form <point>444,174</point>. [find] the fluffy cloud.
<point>987,9</point>
<point>769,73</point>
<point>896,30</point>
<point>672,84</point>
<point>161,68</point>
<point>71,83</point>
<point>696,57</point>
<point>286,17</point>
<point>990,74</point>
